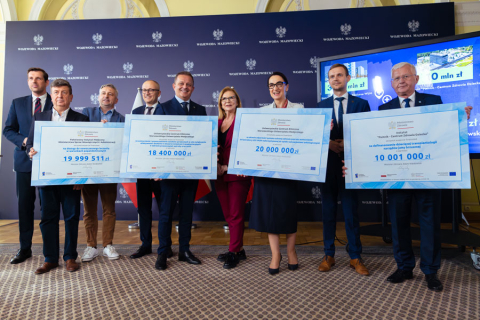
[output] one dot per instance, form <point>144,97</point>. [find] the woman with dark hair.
<point>232,190</point>
<point>274,205</point>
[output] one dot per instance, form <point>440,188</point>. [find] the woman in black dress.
<point>274,203</point>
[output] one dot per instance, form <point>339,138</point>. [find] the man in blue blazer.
<point>145,187</point>
<point>183,190</point>
<point>341,102</point>
<point>404,79</point>
<point>105,112</point>
<point>16,130</point>
<point>53,197</point>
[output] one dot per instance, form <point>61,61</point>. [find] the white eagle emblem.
<point>123,193</point>
<point>97,38</point>
<point>127,67</point>
<point>188,66</point>
<point>281,31</point>
<point>216,95</point>
<point>94,98</point>
<point>413,25</point>
<point>313,62</point>
<point>68,68</point>
<point>251,64</point>
<point>218,34</point>
<point>156,36</point>
<point>38,39</point>
<point>346,29</point>
<point>316,192</point>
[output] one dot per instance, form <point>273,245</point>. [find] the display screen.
<point>448,67</point>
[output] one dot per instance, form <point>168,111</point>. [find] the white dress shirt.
<point>336,104</point>
<point>412,101</point>
<point>43,99</point>
<point>59,118</point>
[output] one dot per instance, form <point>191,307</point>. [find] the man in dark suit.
<point>105,112</point>
<point>404,79</point>
<point>145,187</point>
<point>341,102</point>
<point>183,190</point>
<point>16,130</point>
<point>54,197</point>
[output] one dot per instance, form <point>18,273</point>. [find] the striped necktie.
<point>38,105</point>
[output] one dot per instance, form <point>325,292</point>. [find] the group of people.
<point>274,203</point>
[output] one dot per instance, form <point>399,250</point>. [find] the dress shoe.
<point>21,256</point>
<point>188,257</point>
<point>277,270</point>
<point>359,267</point>
<point>326,264</point>
<point>141,252</point>
<point>241,256</point>
<point>161,263</point>
<point>433,282</point>
<point>293,267</point>
<point>71,265</point>
<point>400,275</point>
<point>46,267</point>
<point>231,261</point>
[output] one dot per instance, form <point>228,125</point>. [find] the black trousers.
<point>26,207</point>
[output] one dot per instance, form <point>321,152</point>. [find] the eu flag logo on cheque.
<point>356,175</point>
<point>312,168</point>
<point>43,173</point>
<point>205,168</point>
<point>453,174</point>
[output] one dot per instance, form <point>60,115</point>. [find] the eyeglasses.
<point>224,99</point>
<point>279,84</point>
<point>149,90</point>
<point>404,77</point>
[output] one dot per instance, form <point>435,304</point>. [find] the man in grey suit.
<point>105,112</point>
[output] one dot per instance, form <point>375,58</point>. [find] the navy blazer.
<point>17,127</point>
<point>174,108</point>
<point>354,105</point>
<point>421,99</point>
<point>94,114</point>
<point>47,116</point>
<point>141,110</point>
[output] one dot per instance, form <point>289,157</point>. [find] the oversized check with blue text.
<point>77,153</point>
<point>281,143</point>
<point>169,147</point>
<point>413,148</point>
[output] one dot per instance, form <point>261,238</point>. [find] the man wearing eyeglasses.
<point>105,112</point>
<point>183,190</point>
<point>404,79</point>
<point>145,187</point>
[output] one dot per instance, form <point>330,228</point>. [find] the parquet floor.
<point>208,233</point>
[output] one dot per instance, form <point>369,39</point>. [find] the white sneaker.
<point>89,254</point>
<point>110,252</point>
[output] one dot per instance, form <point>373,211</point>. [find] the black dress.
<point>274,206</point>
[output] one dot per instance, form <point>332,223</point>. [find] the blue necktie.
<point>340,116</point>
<point>184,106</point>
<point>149,110</point>
<point>407,102</point>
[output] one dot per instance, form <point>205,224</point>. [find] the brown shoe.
<point>71,265</point>
<point>359,267</point>
<point>326,264</point>
<point>46,267</point>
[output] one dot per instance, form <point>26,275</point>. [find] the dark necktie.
<point>185,108</point>
<point>38,105</point>
<point>340,114</point>
<point>149,110</point>
<point>407,102</point>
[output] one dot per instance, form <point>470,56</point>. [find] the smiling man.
<point>55,197</point>
<point>16,130</point>
<point>342,102</point>
<point>105,112</point>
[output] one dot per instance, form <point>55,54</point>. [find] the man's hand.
<point>221,169</point>
<point>340,144</point>
<point>331,125</point>
<point>468,110</point>
<point>104,121</point>
<point>24,143</point>
<point>344,169</point>
<point>157,179</point>
<point>77,186</point>
<point>335,146</point>
<point>32,152</point>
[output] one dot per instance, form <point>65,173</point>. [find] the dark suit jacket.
<point>354,105</point>
<point>224,156</point>
<point>173,107</point>
<point>421,99</point>
<point>94,114</point>
<point>17,127</point>
<point>141,110</point>
<point>47,116</point>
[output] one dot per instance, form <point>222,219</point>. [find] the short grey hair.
<point>110,86</point>
<point>402,64</point>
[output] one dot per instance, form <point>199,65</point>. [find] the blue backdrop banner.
<point>233,50</point>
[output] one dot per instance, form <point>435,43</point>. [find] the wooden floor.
<point>208,233</point>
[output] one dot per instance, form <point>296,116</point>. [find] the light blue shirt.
<point>105,116</point>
